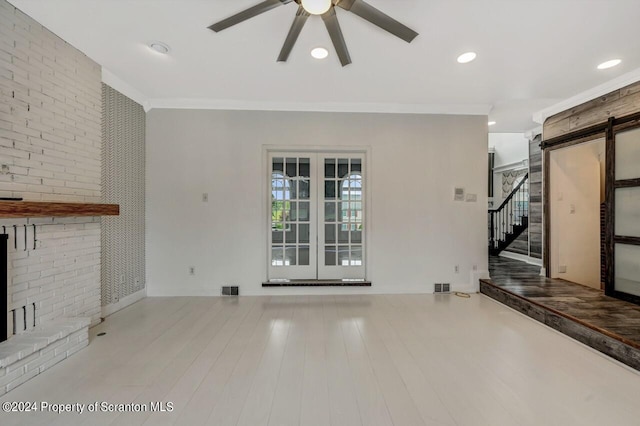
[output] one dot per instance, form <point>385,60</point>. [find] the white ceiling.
<point>531,53</point>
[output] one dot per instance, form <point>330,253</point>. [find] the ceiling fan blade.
<point>256,10</point>
<point>294,32</point>
<point>331,22</point>
<point>376,17</point>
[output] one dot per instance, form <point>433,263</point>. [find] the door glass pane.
<point>276,235</point>
<point>343,255</point>
<point>344,212</point>
<point>627,269</point>
<point>293,211</point>
<point>305,168</point>
<point>356,165</point>
<point>343,167</point>
<point>329,233</point>
<point>330,189</point>
<point>277,211</point>
<point>330,255</point>
<point>293,189</point>
<point>303,256</point>
<point>303,233</point>
<point>329,212</point>
<point>330,168</point>
<point>303,211</point>
<point>278,164</point>
<point>276,256</point>
<point>628,154</point>
<point>304,191</point>
<point>286,208</point>
<point>343,234</point>
<point>290,256</point>
<point>628,212</point>
<point>292,168</point>
<point>290,233</point>
<point>356,237</point>
<point>356,255</point>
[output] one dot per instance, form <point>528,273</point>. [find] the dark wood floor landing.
<point>608,325</point>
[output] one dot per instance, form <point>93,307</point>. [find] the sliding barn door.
<point>624,241</point>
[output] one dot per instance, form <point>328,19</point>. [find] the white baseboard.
<point>522,257</point>
<point>123,303</point>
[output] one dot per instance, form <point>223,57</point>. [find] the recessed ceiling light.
<point>467,57</point>
<point>159,47</point>
<point>492,123</point>
<point>319,53</point>
<point>609,64</point>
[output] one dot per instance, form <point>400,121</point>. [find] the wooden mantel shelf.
<point>15,209</point>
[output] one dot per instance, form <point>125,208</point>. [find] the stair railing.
<point>511,212</point>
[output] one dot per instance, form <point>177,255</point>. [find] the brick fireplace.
<point>50,150</point>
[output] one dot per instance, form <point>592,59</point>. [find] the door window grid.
<point>290,211</point>
<point>343,212</point>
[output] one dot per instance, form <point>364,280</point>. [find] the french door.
<point>316,216</point>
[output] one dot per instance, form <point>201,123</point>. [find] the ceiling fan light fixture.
<point>465,58</point>
<point>316,7</point>
<point>319,53</point>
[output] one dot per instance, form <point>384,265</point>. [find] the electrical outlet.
<point>562,269</point>
<point>192,270</point>
<point>205,197</point>
<point>4,169</point>
<point>456,269</point>
<point>122,279</point>
<point>475,267</point>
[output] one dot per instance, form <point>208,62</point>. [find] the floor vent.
<point>442,288</point>
<point>230,291</point>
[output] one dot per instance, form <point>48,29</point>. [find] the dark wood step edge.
<point>607,333</point>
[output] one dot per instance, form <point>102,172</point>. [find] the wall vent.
<point>442,288</point>
<point>230,291</point>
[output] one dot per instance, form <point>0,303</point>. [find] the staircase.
<point>511,219</point>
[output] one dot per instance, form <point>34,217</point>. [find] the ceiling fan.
<point>326,9</point>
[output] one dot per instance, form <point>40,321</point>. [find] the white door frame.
<point>363,150</point>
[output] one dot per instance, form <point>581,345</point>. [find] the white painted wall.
<point>511,149</point>
<point>575,213</point>
<point>417,233</point>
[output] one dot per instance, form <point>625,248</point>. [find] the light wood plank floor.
<point>335,360</point>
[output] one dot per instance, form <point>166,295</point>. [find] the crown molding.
<point>531,134</point>
<point>234,105</point>
<point>388,108</point>
<point>126,89</point>
<point>588,95</point>
<point>516,165</point>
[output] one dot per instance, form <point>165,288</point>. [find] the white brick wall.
<point>61,276</point>
<point>50,114</point>
<point>26,356</point>
<point>50,139</point>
